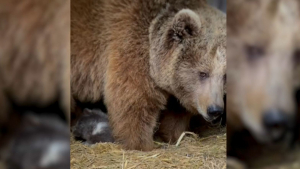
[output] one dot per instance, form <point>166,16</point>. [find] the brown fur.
<point>111,60</point>
<point>34,50</point>
<point>172,124</point>
<point>266,78</point>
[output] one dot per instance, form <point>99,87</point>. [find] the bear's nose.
<point>214,111</point>
<point>276,123</point>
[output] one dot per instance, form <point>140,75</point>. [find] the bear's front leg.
<point>133,106</point>
<point>132,116</point>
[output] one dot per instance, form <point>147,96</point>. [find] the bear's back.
<point>100,29</point>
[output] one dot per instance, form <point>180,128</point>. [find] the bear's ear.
<point>185,24</point>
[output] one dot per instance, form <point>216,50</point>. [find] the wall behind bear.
<point>220,4</point>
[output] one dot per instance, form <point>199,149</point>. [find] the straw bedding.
<point>191,152</point>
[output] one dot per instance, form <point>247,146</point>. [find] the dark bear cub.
<point>93,127</point>
<point>42,141</point>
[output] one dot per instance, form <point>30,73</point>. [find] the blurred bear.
<point>43,142</point>
<point>35,55</point>
<point>262,48</point>
<point>263,75</point>
<point>35,77</point>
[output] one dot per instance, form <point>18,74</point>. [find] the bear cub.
<point>93,127</point>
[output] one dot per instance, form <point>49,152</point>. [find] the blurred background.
<point>219,4</point>
<point>263,51</point>
<point>263,83</point>
<point>34,84</point>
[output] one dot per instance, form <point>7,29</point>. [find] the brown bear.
<point>263,49</point>
<point>35,54</point>
<point>263,61</point>
<point>34,61</point>
<point>135,54</point>
<point>34,79</point>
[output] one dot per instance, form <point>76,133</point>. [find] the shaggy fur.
<point>173,121</point>
<point>35,53</point>
<point>172,125</point>
<point>263,56</point>
<point>135,54</point>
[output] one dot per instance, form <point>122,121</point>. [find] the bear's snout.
<point>276,123</point>
<point>214,111</point>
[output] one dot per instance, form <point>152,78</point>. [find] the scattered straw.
<point>182,135</point>
<point>190,152</point>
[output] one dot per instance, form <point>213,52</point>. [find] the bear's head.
<point>188,58</point>
<point>263,56</point>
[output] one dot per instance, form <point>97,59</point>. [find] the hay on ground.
<point>191,152</point>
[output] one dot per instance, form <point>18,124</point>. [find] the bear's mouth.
<point>217,120</point>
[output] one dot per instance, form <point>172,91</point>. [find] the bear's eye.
<point>254,52</point>
<point>203,75</point>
